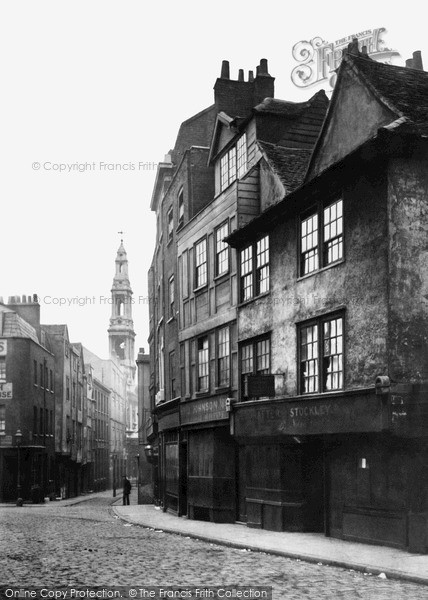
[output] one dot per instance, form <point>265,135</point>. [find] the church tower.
<point>121,331</point>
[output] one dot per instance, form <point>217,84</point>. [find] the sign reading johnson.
<point>312,416</point>
<point>201,411</point>
<point>318,59</point>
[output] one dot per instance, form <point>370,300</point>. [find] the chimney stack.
<point>225,73</point>
<point>353,47</point>
<point>417,60</point>
<point>241,75</point>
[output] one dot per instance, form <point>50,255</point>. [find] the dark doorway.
<point>313,486</point>
<point>241,487</point>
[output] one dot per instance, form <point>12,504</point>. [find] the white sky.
<point>97,80</point>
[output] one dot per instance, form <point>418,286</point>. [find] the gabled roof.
<point>15,326</point>
<point>401,89</point>
<point>401,93</point>
<point>289,164</point>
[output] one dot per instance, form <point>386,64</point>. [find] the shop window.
<point>322,228</point>
<point>221,249</point>
<point>321,355</point>
<point>254,269</point>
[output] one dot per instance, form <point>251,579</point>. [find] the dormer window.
<point>228,168</point>
<point>234,163</point>
<point>241,156</point>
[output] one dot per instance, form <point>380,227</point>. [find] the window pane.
<point>223,353</point>
<point>203,364</point>
<point>263,357</point>
<point>309,359</point>
<point>246,273</point>
<point>222,250</point>
<point>309,245</point>
<point>201,263</point>
<point>333,354</point>
<point>242,155</point>
<point>333,232</point>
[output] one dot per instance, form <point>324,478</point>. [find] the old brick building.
<point>193,302</point>
<point>333,430</point>
<point>27,402</point>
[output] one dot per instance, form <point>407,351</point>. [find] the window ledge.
<point>223,389</point>
<point>335,264</point>
<point>201,288</point>
<point>202,394</point>
<point>225,275</point>
<point>264,295</point>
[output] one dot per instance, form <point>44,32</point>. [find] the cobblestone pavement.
<point>86,545</point>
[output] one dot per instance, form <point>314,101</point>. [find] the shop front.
<point>169,439</point>
<point>329,463</point>
<point>210,454</point>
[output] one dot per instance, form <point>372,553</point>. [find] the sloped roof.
<point>402,89</point>
<point>14,326</point>
<point>289,164</point>
<point>56,329</point>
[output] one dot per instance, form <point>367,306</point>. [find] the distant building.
<point>27,402</point>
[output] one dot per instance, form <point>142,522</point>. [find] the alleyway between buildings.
<point>84,543</point>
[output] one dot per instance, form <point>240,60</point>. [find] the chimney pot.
<point>35,298</point>
<point>250,76</point>
<point>225,73</point>
<point>417,60</point>
<point>257,70</point>
<point>24,299</point>
<point>353,47</point>
<point>263,67</point>
<point>364,51</point>
<point>409,63</point>
<point>241,75</point>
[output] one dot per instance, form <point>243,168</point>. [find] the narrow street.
<point>53,545</point>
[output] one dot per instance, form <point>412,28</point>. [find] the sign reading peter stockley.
<point>318,59</point>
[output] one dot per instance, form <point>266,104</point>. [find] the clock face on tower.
<point>119,347</point>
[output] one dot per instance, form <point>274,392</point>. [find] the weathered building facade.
<point>333,431</point>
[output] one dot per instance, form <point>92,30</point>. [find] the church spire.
<point>121,330</point>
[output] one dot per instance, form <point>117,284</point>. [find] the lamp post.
<point>114,475</point>
<point>138,478</point>
<point>18,440</point>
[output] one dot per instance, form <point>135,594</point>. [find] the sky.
<point>93,93</point>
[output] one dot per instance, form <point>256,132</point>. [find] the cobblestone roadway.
<point>85,545</point>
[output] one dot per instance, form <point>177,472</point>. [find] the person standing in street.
<point>126,490</point>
